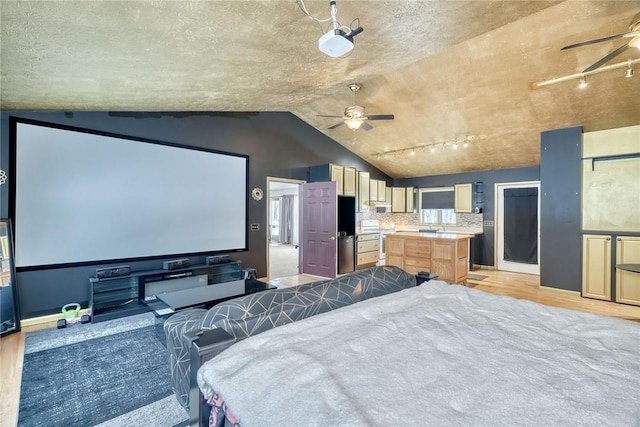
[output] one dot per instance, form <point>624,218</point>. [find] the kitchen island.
<point>443,254</point>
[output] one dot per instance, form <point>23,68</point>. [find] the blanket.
<point>436,354</point>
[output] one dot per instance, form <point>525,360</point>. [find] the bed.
<point>436,354</point>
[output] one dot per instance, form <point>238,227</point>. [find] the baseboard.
<point>564,291</point>
<point>34,321</point>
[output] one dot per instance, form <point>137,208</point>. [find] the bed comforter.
<point>436,354</point>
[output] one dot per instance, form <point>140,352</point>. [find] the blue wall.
<point>485,248</point>
<point>278,145</point>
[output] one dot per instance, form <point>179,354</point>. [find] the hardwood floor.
<point>523,286</point>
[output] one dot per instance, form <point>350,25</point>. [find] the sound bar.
<point>218,259</point>
<point>122,270</point>
<point>176,263</point>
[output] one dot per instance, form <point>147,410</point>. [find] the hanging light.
<point>629,72</point>
<point>353,123</point>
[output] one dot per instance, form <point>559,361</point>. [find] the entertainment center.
<point>142,291</point>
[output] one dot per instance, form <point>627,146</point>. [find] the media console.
<point>115,297</point>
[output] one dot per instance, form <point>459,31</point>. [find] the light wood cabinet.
<point>337,175</point>
<point>447,257</point>
<point>409,201</point>
<point>596,266</point>
<point>627,282</point>
<point>387,195</point>
<point>382,191</point>
<point>463,198</point>
<point>367,250</point>
<point>398,199</point>
<point>373,190</point>
<point>349,181</point>
<point>363,191</point>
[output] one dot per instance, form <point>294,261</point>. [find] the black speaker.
<point>218,259</point>
<point>176,263</point>
<point>122,270</point>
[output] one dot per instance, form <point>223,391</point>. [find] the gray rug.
<point>476,277</point>
<point>112,374</point>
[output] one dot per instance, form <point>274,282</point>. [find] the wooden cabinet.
<point>373,190</point>
<point>363,191</point>
<point>367,249</point>
<point>398,195</point>
<point>410,199</point>
<point>349,181</point>
<point>627,282</point>
<point>382,191</point>
<point>446,256</point>
<point>463,198</point>
<point>596,266</point>
<point>337,175</point>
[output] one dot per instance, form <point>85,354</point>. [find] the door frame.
<point>270,180</point>
<point>499,233</point>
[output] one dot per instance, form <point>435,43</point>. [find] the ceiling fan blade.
<point>325,115</point>
<point>607,58</point>
<point>366,126</point>
<point>604,39</point>
<point>381,117</point>
<point>335,126</point>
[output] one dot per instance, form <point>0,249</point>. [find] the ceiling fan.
<point>354,116</point>
<point>633,33</point>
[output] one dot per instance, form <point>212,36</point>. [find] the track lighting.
<point>583,83</point>
<point>582,76</point>
<point>629,72</point>
<point>454,145</point>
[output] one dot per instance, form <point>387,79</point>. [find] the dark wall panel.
<point>560,176</point>
<point>278,145</point>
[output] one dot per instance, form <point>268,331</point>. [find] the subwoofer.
<point>122,270</point>
<point>176,264</point>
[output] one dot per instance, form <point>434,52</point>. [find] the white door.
<point>518,227</point>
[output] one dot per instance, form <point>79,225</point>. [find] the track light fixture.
<point>431,148</point>
<point>582,76</point>
<point>583,83</point>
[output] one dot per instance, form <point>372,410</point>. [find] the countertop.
<point>472,232</point>
<point>439,235</point>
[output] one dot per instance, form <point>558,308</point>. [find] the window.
<point>437,206</point>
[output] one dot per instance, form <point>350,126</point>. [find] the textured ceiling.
<point>448,70</point>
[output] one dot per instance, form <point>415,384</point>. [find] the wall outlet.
<point>488,223</point>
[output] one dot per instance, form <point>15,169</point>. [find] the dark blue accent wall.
<point>560,208</point>
<point>278,145</point>
<point>484,250</point>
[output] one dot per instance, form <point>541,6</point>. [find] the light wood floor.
<point>517,285</point>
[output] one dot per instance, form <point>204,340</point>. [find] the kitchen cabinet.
<point>410,200</point>
<point>367,250</point>
<point>387,195</point>
<point>597,264</point>
<point>373,190</point>
<point>382,191</point>
<point>463,198</point>
<point>363,191</point>
<point>627,282</point>
<point>398,195</point>
<point>349,181</point>
<point>445,255</point>
<point>329,172</point>
<point>596,267</point>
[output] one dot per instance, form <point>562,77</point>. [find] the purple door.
<point>319,214</point>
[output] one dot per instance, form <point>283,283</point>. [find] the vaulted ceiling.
<point>448,70</point>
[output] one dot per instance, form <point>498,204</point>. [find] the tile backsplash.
<point>470,220</point>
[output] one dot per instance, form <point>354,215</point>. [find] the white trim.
<point>499,242</point>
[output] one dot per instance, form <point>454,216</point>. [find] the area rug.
<point>476,277</point>
<point>110,374</point>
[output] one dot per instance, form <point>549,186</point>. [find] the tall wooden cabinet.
<point>598,262</point>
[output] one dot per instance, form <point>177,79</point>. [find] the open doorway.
<point>283,239</point>
<point>518,227</point>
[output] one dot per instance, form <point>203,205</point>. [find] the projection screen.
<point>83,197</point>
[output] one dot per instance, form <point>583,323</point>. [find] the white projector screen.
<point>83,197</point>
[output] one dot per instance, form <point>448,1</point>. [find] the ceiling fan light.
<point>583,83</point>
<point>353,124</point>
